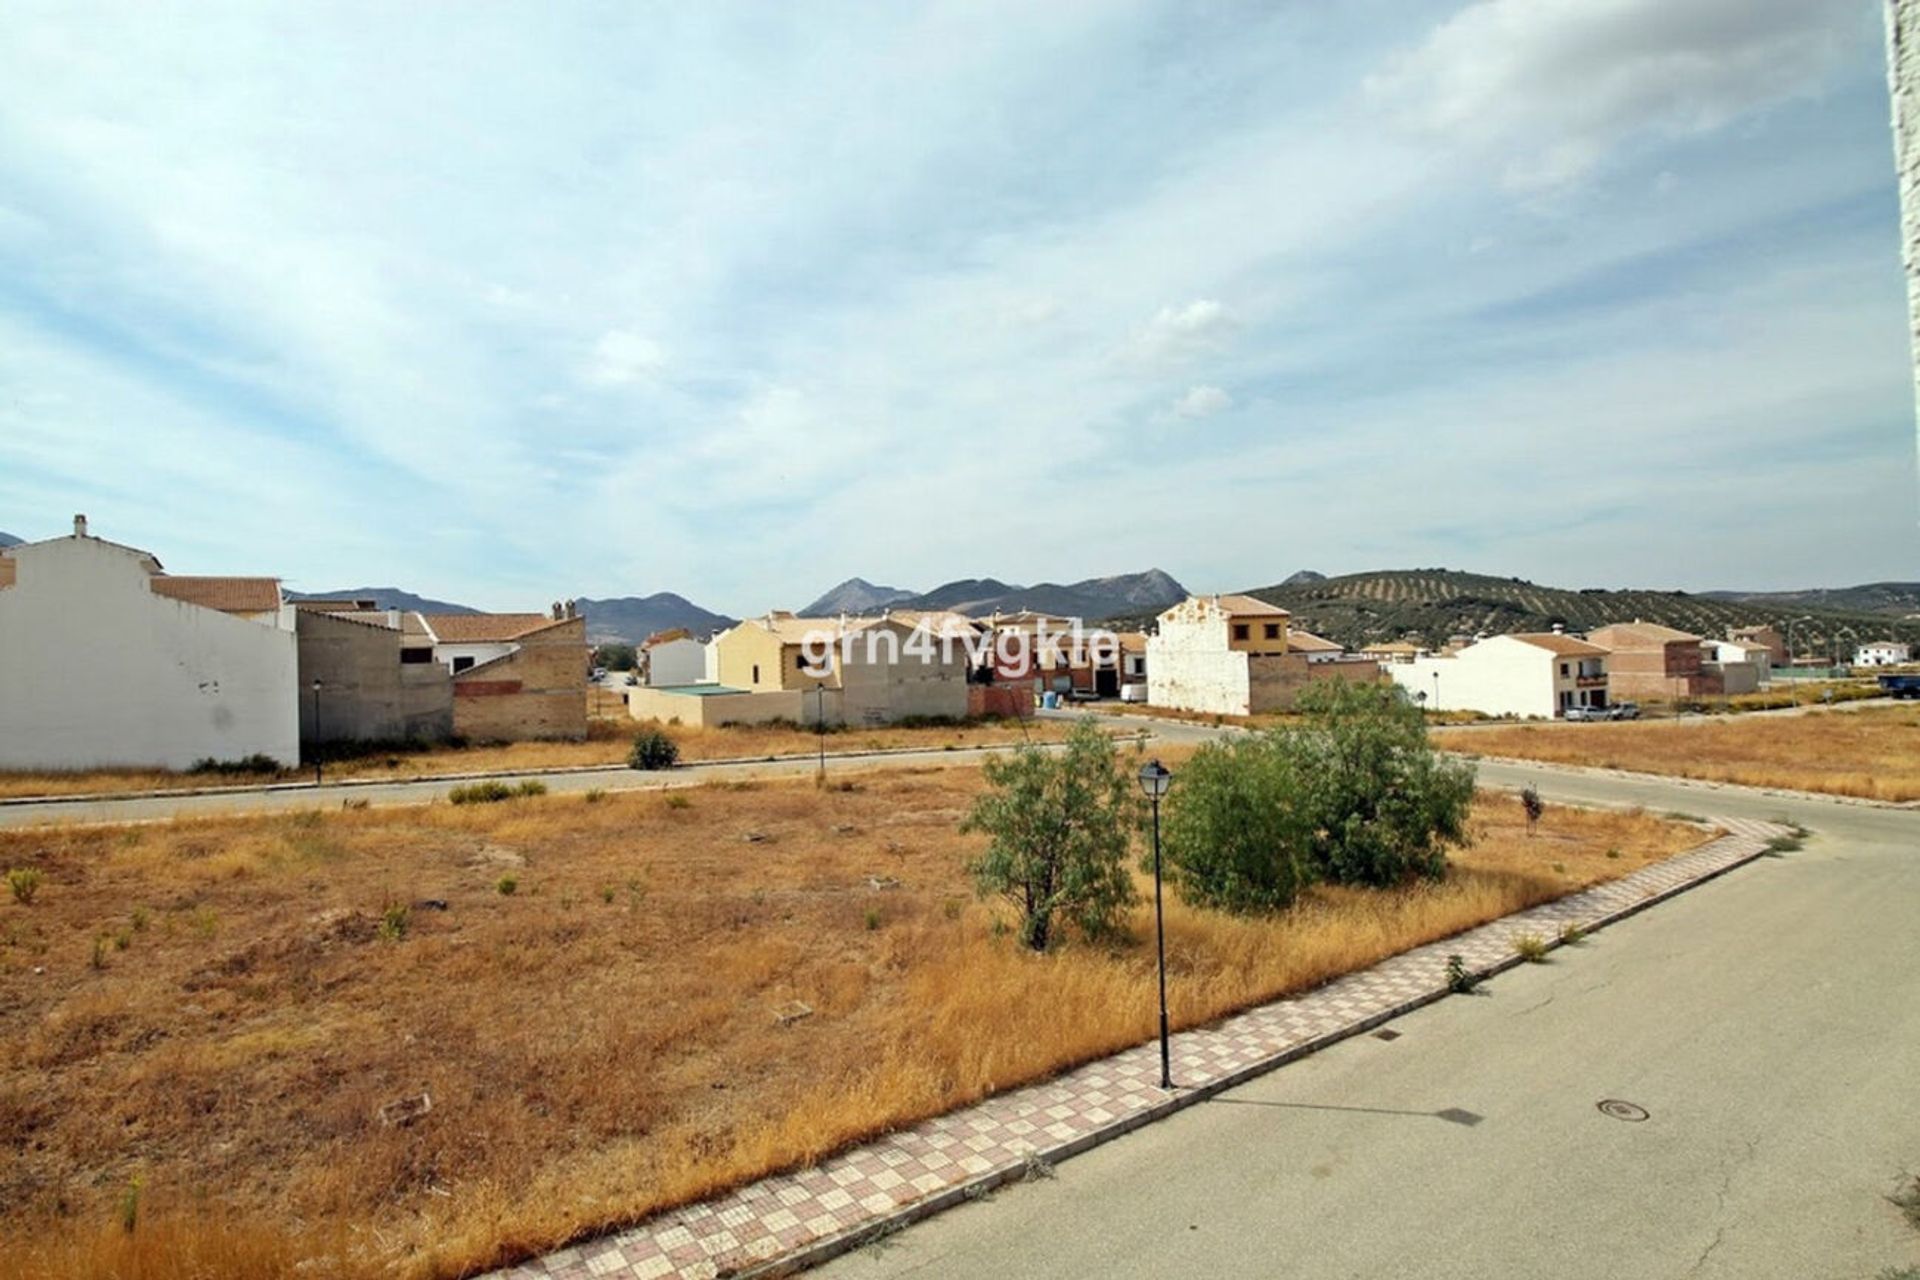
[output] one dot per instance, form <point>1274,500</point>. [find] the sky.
<point>511,302</point>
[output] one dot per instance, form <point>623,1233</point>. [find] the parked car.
<point>1624,711</point>
<point>1582,714</point>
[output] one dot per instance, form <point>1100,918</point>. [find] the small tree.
<point>1236,831</point>
<point>1530,802</point>
<point>615,657</point>
<point>1382,802</point>
<point>1059,825</point>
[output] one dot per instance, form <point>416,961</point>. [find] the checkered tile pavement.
<point>809,1214</point>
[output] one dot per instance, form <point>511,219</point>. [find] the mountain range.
<point>1896,599</point>
<point>386,598</point>
<point>1093,599</point>
<point>631,619</point>
<point>8,540</point>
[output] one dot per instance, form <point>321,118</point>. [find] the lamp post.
<point>317,766</point>
<point>820,721</point>
<point>1436,691</point>
<point>1155,778</point>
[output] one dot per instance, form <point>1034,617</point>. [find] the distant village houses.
<point>1237,655</point>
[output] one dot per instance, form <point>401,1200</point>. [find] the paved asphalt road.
<point>1769,1022</point>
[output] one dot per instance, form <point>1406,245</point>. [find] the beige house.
<point>832,670</point>
<point>1233,655</point>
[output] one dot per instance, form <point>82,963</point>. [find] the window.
<point>756,673</point>
<point>1239,631</point>
<point>461,664</point>
<point>1563,668</point>
<point>1273,631</point>
<point>415,656</point>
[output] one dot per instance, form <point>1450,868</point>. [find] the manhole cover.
<point>1622,1110</point>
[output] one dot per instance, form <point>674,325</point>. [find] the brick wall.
<point>537,691</point>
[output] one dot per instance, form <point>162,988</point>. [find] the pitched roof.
<point>228,595</point>
<point>484,628</point>
<point>1617,634</point>
<point>938,622</point>
<point>664,637</point>
<point>1564,645</point>
<point>1299,641</point>
<point>1394,646</point>
<point>1238,606</point>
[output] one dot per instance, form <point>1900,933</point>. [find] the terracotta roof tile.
<point>1240,606</point>
<point>485,628</point>
<point>1306,642</point>
<point>1563,645</point>
<point>228,595</point>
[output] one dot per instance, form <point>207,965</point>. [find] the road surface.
<point>1768,1022</point>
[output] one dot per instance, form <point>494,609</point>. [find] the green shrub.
<point>1234,828</point>
<point>506,886</point>
<point>488,792</point>
<point>653,749</point>
<point>24,883</point>
<point>594,795</point>
<point>678,801</point>
<point>395,919</point>
<point>492,791</point>
<point>1572,934</point>
<point>1059,824</point>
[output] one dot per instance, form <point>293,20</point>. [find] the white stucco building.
<point>674,658</point>
<point>107,661</point>
<point>1883,653</point>
<point>1235,655</point>
<point>1536,674</point>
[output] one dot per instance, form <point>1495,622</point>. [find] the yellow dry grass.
<point>214,1009</point>
<point>1869,752</point>
<point>607,744</point>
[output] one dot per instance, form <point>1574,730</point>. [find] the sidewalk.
<point>802,1218</point>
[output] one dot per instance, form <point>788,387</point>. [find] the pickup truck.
<point>1900,686</point>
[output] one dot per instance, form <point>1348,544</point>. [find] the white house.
<point>673,658</point>
<point>1235,655</point>
<point>1730,653</point>
<point>107,661</point>
<point>1535,674</point>
<point>1882,653</point>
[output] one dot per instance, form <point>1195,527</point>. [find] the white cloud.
<point>1552,86</point>
<point>1201,327</point>
<point>623,357</point>
<point>1202,402</point>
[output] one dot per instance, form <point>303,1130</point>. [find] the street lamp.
<point>1436,691</point>
<point>1155,778</point>
<point>316,731</point>
<point>820,721</point>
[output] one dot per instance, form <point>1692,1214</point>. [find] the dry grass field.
<point>201,1022</point>
<point>607,743</point>
<point>1872,752</point>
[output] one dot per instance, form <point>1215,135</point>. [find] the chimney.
<point>79,526</point>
